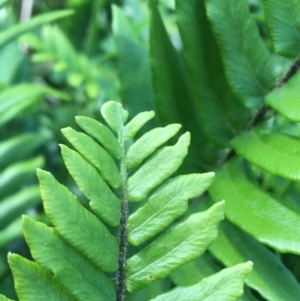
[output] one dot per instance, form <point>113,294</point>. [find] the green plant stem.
<point>259,116</point>
<point>120,279</point>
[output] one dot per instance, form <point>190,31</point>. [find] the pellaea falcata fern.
<point>131,233</point>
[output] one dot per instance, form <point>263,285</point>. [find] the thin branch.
<point>25,15</point>
<point>26,10</point>
<point>292,70</point>
<point>259,116</point>
<point>120,277</point>
<point>122,249</point>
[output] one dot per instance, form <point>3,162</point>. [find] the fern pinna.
<point>80,257</point>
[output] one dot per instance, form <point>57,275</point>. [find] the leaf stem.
<point>120,277</point>
<point>263,109</point>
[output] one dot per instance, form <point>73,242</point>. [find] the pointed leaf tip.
<point>137,123</point>
<point>94,154</point>
<point>148,143</point>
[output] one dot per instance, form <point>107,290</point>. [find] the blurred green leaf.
<point>134,71</point>
<point>19,174</point>
<point>17,30</point>
<point>16,204</point>
<point>10,148</point>
<point>3,298</point>
<point>27,272</point>
<point>11,232</point>
<point>15,99</point>
<point>2,3</point>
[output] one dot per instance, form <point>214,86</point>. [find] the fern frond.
<point>75,257</point>
<point>219,109</point>
<point>250,70</point>
<point>282,18</point>
<point>285,99</point>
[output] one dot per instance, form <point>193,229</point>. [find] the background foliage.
<point>220,68</point>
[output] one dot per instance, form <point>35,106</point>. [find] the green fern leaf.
<point>164,255</point>
<point>248,65</point>
<point>248,206</point>
<point>211,288</point>
<point>283,22</point>
<point>158,168</point>
<point>86,228</point>
<point>94,283</point>
<point>115,116</point>
<point>283,152</point>
<point>10,148</point>
<point>194,271</point>
<point>136,123</point>
<point>148,143</point>
<point>101,133</point>
<point>78,254</point>
<point>88,148</point>
<point>220,111</point>
<point>102,200</point>
<point>15,194</point>
<point>33,283</point>
<point>234,246</point>
<point>167,203</point>
<point>286,100</point>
